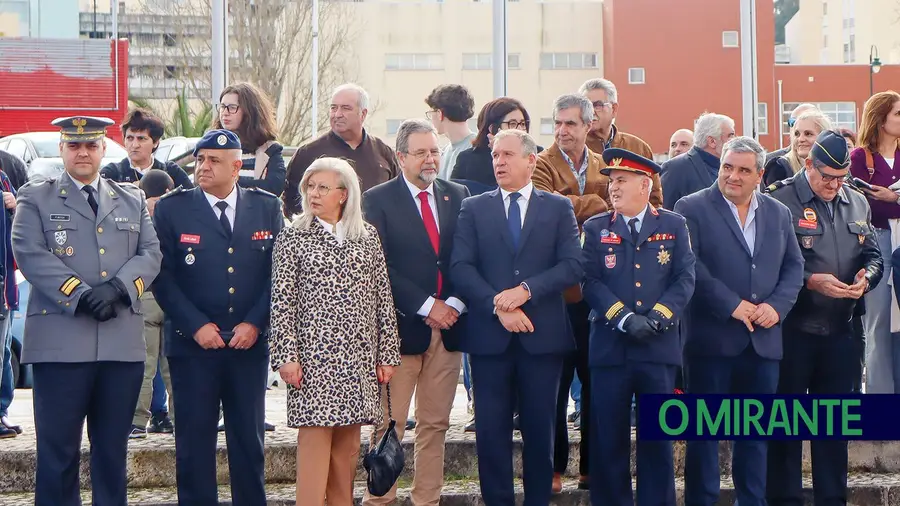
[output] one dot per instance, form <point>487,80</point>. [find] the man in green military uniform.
<point>842,262</point>
<point>89,250</point>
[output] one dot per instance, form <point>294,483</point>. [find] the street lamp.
<point>874,68</point>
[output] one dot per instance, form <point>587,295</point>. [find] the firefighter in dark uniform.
<point>214,288</point>
<point>639,276</point>
<point>821,349</point>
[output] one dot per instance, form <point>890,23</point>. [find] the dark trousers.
<point>65,394</point>
<point>613,388</point>
<point>747,373</point>
<point>198,385</point>
<point>578,319</point>
<point>822,365</point>
<point>499,380</point>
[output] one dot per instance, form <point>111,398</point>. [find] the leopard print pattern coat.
<point>333,313</point>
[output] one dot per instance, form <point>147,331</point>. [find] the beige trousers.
<point>153,321</point>
<point>434,376</point>
<point>326,465</point>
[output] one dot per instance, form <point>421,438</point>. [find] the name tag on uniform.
<point>190,239</point>
<point>60,217</point>
<point>807,224</point>
<point>612,238</point>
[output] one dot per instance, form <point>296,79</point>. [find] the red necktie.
<point>431,228</point>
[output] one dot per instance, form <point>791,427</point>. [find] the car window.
<point>17,147</point>
<point>3,144</point>
<point>162,153</point>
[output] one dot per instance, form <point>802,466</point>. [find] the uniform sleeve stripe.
<point>614,309</point>
<point>69,286</point>
<point>139,284</point>
<point>663,310</point>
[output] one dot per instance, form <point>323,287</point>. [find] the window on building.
<point>546,126</point>
<point>730,38</point>
<point>825,41</point>
<point>558,61</point>
<point>485,61</point>
<point>636,75</point>
<point>512,60</point>
<point>825,7</point>
<point>841,114</point>
<point>413,61</point>
<point>171,72</point>
<point>121,7</point>
<point>392,125</point>
<point>762,118</point>
<point>169,40</point>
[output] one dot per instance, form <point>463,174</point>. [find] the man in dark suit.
<point>639,276</point>
<point>214,289</point>
<point>749,272</point>
<point>515,251</point>
<point>415,215</point>
<point>698,168</point>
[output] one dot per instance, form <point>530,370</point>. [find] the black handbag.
<point>385,462</point>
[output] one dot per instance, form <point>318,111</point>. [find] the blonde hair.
<point>822,123</point>
<point>351,211</point>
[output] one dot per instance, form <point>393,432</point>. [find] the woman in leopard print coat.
<point>333,329</point>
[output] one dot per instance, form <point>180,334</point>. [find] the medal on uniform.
<point>862,238</point>
<point>807,241</point>
<point>610,261</point>
<point>70,251</point>
<point>189,259</point>
<point>60,237</point>
<point>663,257</point>
<point>809,219</point>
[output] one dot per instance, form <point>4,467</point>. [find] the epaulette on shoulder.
<point>853,187</point>
<point>37,181</point>
<point>260,191</point>
<point>777,184</point>
<point>177,191</point>
<point>605,214</point>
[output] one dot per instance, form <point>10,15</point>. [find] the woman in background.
<point>803,135</point>
<point>247,111</point>
<point>334,329</point>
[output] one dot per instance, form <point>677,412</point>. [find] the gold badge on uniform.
<point>862,237</point>
<point>807,241</point>
<point>663,257</point>
<point>70,251</point>
<point>809,214</point>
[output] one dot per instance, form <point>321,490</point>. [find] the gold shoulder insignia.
<point>177,191</point>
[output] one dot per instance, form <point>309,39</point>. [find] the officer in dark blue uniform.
<point>639,276</point>
<point>822,341</point>
<point>215,290</point>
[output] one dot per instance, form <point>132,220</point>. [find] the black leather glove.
<point>84,304</point>
<point>107,294</point>
<point>105,313</point>
<point>640,327</point>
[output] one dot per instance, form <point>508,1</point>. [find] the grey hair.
<point>745,144</point>
<point>601,84</point>
<point>409,127</point>
<point>710,125</point>
<point>352,211</point>
<point>363,96</point>
<point>529,146</point>
<point>564,102</point>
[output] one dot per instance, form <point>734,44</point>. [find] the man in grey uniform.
<point>89,250</point>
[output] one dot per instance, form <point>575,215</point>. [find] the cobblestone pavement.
<point>21,412</point>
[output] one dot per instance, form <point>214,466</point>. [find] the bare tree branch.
<point>270,42</point>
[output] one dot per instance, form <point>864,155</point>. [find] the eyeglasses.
<point>231,108</point>
<point>601,104</point>
<point>423,154</point>
<point>431,114</point>
<point>515,125</point>
<point>321,189</point>
<point>828,178</point>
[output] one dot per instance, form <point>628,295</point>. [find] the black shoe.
<point>577,421</point>
<point>572,416</point>
<point>137,432</point>
<point>516,423</point>
<point>410,424</point>
<point>6,433</point>
<point>222,425</point>
<point>161,424</point>
<point>470,427</point>
<point>9,425</point>
<point>269,427</point>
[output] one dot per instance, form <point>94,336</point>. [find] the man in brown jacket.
<point>570,169</point>
<point>604,134</point>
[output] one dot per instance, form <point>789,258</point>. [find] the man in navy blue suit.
<point>749,272</point>
<point>515,251</point>
<point>639,276</point>
<point>215,290</point>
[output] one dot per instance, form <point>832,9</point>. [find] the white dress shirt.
<point>95,184</point>
<point>637,226</point>
<point>231,200</point>
<point>338,230</point>
<point>453,302</point>
<point>525,193</point>
<point>141,171</point>
<point>749,227</point>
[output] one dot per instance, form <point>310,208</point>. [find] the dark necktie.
<point>223,218</point>
<point>514,218</point>
<point>432,230</point>
<point>90,198</point>
<point>632,225</point>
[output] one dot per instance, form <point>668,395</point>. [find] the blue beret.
<point>218,139</point>
<point>82,128</point>
<point>622,159</point>
<point>831,149</point>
